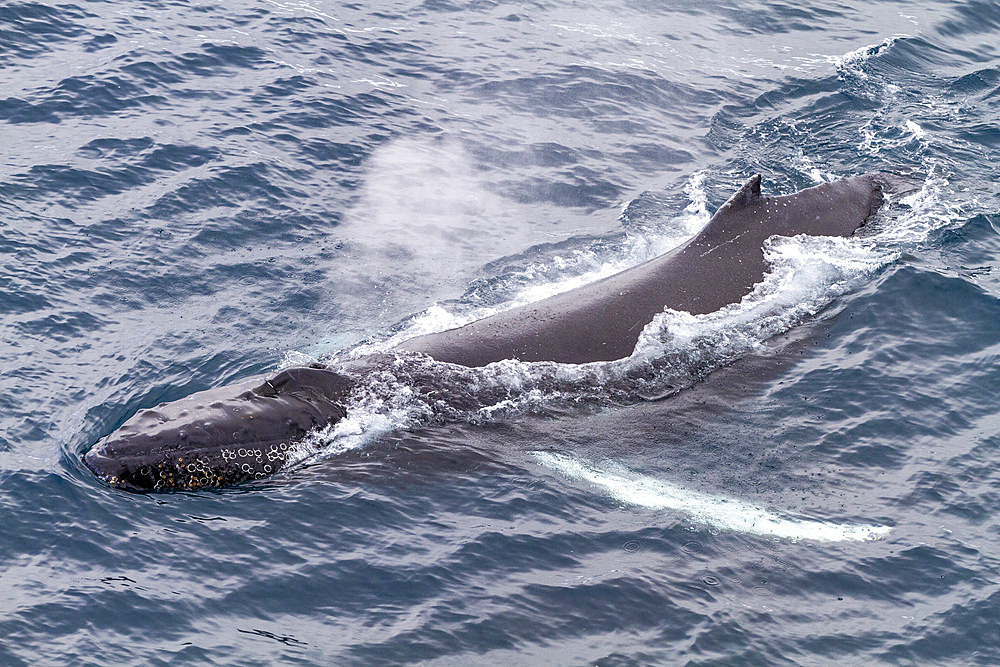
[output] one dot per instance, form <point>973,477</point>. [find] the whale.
<point>259,425</point>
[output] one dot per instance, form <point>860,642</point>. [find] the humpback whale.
<point>253,428</point>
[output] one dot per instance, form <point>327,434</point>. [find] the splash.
<point>720,512</point>
<point>807,273</point>
<point>853,62</point>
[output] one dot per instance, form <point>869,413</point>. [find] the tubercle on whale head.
<point>224,436</point>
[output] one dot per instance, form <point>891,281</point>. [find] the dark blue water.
<point>193,193</point>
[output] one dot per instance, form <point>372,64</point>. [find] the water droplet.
<point>693,547</point>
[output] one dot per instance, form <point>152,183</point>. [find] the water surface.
<point>194,193</point>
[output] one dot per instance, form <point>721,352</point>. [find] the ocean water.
<point>191,193</point>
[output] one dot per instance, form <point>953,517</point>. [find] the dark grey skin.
<point>251,429</point>
<point>602,321</point>
<point>219,437</point>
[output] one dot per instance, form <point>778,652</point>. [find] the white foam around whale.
<point>718,511</point>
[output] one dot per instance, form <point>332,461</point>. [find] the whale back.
<point>719,266</point>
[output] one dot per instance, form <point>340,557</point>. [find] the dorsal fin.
<point>748,194</point>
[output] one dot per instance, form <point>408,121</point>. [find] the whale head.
<point>221,437</point>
